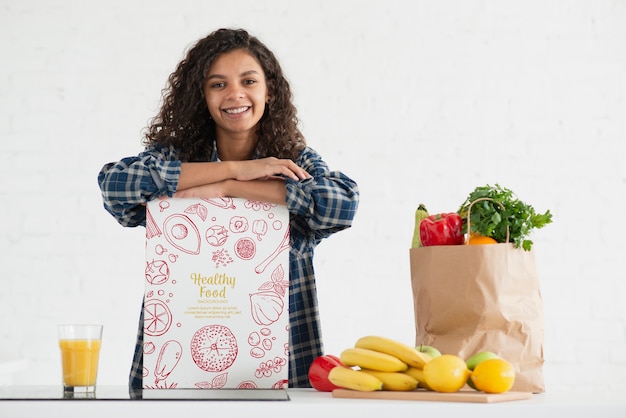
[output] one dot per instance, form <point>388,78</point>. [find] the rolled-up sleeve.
<point>129,183</point>
<point>328,202</point>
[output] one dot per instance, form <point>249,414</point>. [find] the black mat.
<point>120,393</point>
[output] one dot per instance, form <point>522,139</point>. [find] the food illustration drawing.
<point>284,245</point>
<point>149,347</point>
<point>245,248</point>
<point>169,356</point>
<point>216,235</point>
<point>157,317</point>
<point>157,272</point>
<point>266,307</point>
<point>267,368</point>
<point>152,229</point>
<point>221,258</point>
<point>163,205</point>
<point>277,283</point>
<point>261,342</point>
<point>221,202</point>
<point>247,384</point>
<point>218,382</point>
<point>257,352</point>
<point>257,205</point>
<point>254,338</point>
<point>214,348</point>
<point>259,227</point>
<point>277,225</point>
<point>238,224</point>
<point>216,294</point>
<point>198,209</point>
<point>281,384</point>
<point>182,233</point>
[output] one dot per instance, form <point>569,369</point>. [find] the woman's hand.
<point>199,174</point>
<point>266,168</point>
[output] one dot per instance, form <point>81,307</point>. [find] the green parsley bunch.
<point>490,220</point>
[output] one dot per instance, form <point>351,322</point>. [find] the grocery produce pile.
<point>495,212</point>
<point>380,363</point>
<point>489,215</point>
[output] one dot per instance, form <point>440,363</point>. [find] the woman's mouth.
<point>236,110</point>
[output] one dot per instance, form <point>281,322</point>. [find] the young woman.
<point>228,128</point>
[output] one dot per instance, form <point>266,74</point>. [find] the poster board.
<point>216,294</point>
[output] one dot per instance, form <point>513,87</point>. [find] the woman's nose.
<point>234,92</point>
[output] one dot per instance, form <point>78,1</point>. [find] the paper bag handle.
<point>469,210</point>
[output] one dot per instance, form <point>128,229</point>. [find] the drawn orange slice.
<point>157,318</point>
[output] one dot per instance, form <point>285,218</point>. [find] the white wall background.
<point>419,101</point>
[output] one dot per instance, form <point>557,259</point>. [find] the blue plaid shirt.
<point>318,207</point>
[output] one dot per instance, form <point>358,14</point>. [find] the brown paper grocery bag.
<point>471,298</point>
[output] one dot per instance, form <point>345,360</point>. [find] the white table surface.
<point>305,403</point>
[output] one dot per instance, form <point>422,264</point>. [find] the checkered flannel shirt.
<point>318,207</point>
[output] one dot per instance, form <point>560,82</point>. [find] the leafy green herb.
<point>490,220</point>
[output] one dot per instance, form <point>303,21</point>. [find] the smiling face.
<point>236,93</point>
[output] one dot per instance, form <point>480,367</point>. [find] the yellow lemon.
<point>493,376</point>
<point>446,373</point>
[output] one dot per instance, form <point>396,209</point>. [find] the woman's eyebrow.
<point>244,74</point>
<point>249,72</point>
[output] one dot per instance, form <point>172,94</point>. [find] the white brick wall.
<point>419,101</point>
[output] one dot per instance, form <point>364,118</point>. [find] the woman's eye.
<point>217,85</point>
<point>248,82</point>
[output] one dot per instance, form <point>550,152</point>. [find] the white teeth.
<point>236,110</point>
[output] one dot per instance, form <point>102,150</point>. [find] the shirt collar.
<point>215,158</point>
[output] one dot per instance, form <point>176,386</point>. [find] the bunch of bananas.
<point>379,363</point>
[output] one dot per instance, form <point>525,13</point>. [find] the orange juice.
<point>80,361</point>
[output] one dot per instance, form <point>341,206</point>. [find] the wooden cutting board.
<point>426,395</point>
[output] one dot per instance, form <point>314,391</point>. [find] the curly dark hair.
<point>184,122</point>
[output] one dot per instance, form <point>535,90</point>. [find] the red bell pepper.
<point>319,369</point>
<point>442,229</point>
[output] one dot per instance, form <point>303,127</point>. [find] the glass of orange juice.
<point>80,351</point>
